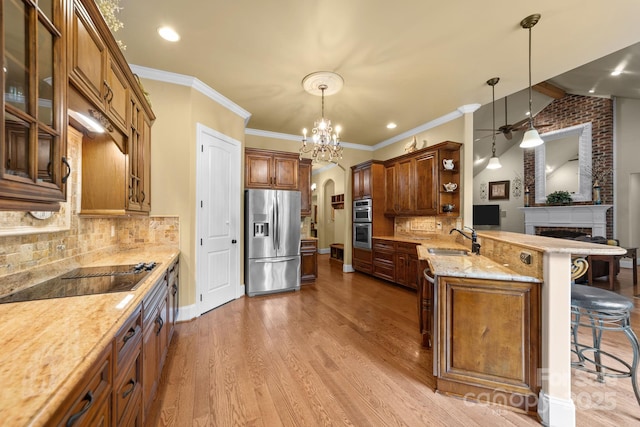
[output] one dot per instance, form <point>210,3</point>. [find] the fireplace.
<point>574,217</point>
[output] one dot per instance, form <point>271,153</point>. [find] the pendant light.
<point>531,137</point>
<point>494,162</point>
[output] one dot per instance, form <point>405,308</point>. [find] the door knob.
<point>234,241</point>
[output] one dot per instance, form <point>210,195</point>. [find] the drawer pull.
<point>132,384</point>
<point>160,323</point>
<point>130,334</point>
<point>75,417</point>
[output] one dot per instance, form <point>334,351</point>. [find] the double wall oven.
<point>362,217</point>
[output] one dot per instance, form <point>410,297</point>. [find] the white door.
<point>218,211</point>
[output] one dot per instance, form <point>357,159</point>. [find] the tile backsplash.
<point>425,226</point>
<point>20,253</point>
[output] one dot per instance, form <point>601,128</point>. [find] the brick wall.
<point>572,110</point>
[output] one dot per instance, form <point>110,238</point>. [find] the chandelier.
<point>325,143</point>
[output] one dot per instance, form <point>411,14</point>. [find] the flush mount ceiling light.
<point>494,162</point>
<point>326,144</point>
<point>169,34</point>
<point>531,137</point>
<point>391,126</point>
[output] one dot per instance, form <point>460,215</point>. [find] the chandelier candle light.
<point>325,142</point>
<point>531,137</point>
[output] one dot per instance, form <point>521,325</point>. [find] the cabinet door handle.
<point>160,323</point>
<point>130,334</point>
<point>174,289</point>
<point>132,384</point>
<point>144,196</point>
<point>75,417</point>
<point>66,176</point>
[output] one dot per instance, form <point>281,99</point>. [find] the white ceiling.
<point>410,61</point>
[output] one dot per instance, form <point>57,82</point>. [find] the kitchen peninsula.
<point>498,332</point>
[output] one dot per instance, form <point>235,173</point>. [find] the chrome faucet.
<point>475,246</point>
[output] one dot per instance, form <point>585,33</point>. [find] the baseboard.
<point>347,268</point>
<point>187,312</point>
<point>553,411</point>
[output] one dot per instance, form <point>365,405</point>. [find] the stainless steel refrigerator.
<point>272,241</point>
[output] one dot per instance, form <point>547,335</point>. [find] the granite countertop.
<point>48,345</point>
<point>470,266</point>
<point>551,244</point>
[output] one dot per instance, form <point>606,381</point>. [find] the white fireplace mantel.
<point>579,216</point>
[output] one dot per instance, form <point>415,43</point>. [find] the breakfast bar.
<point>506,313</point>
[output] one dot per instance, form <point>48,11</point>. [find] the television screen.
<point>486,214</point>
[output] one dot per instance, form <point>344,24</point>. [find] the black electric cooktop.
<point>86,281</point>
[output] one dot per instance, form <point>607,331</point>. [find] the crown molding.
<point>194,83</point>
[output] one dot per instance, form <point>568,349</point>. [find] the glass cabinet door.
<point>32,150</point>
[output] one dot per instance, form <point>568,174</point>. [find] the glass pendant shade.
<point>531,139</point>
<point>494,163</point>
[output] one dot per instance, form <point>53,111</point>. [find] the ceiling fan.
<point>507,129</point>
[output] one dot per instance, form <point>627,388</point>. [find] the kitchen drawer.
<point>128,340</point>
<point>383,256</point>
<point>383,245</point>
<point>365,267</point>
<point>308,245</point>
<point>128,389</point>
<point>85,402</point>
<point>384,270</point>
<point>406,247</point>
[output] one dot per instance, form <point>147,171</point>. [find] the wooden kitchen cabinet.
<point>362,181</point>
<point>90,401</point>
<point>304,181</point>
<point>308,260</point>
<point>93,69</point>
<point>155,340</point>
<point>127,374</point>
<point>384,259</point>
<point>139,160</point>
<point>450,151</point>
<point>407,264</point>
<point>413,182</point>
<point>479,322</point>
<point>33,136</point>
<point>271,169</point>
<point>362,260</point>
<point>173,283</point>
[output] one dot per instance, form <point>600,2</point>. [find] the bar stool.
<point>602,310</point>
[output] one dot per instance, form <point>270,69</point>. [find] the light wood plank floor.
<point>345,351</point>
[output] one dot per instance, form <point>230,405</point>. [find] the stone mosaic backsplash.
<point>425,226</point>
<point>87,235</point>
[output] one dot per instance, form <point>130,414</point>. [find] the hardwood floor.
<point>345,351</point>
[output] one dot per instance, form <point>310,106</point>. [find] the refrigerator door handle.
<point>267,261</point>
<point>277,222</point>
<point>273,225</point>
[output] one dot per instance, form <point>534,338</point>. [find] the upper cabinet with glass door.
<point>33,168</point>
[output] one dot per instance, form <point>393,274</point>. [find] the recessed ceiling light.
<point>168,34</point>
<point>592,90</point>
<point>616,72</point>
<point>391,125</point>
<point>527,113</point>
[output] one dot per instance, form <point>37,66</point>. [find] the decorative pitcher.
<point>447,163</point>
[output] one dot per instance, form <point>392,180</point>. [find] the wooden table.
<point>610,259</point>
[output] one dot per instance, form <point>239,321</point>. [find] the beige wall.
<point>173,169</point>
<point>627,172</point>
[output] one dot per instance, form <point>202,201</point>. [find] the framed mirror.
<point>563,163</point>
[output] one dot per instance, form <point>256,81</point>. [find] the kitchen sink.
<point>448,251</point>
<point>86,281</point>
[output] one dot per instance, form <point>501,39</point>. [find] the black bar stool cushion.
<point>596,299</point>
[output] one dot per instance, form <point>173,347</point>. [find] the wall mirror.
<point>563,163</point>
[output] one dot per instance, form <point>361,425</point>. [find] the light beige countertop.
<point>48,345</point>
<point>471,265</point>
<point>551,244</point>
